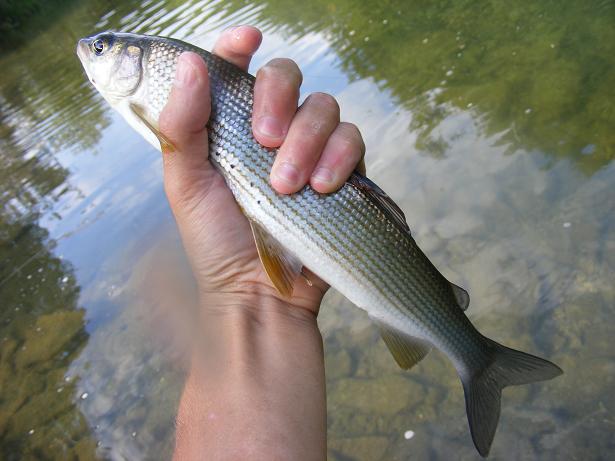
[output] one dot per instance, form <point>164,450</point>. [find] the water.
<point>491,126</point>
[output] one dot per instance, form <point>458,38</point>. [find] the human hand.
<point>314,148</point>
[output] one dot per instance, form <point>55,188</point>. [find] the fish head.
<point>113,63</point>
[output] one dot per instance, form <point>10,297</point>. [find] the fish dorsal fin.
<point>406,350</point>
<point>462,296</point>
<point>380,199</point>
<point>281,267</point>
<point>165,144</point>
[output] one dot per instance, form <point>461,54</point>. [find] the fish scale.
<point>356,239</point>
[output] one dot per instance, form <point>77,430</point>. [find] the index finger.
<point>237,45</point>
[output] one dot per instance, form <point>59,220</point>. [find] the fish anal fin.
<point>380,199</point>
<point>461,296</point>
<point>406,350</point>
<point>165,144</point>
<point>281,267</point>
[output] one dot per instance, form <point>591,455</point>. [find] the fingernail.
<point>269,126</point>
<point>288,173</point>
<point>323,174</point>
<point>185,75</point>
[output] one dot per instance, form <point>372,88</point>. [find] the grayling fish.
<point>356,239</point>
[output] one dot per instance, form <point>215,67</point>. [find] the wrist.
<point>260,302</point>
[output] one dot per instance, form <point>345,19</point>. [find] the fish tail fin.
<point>483,388</point>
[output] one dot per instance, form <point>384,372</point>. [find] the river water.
<point>491,125</point>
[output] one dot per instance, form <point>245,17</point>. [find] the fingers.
<point>238,44</point>
<point>276,93</point>
<point>314,147</point>
<point>342,154</point>
<point>183,122</point>
<point>307,136</point>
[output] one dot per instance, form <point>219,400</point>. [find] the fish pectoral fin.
<point>461,296</point>
<point>281,267</point>
<point>406,350</point>
<point>165,144</point>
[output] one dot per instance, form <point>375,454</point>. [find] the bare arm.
<point>259,392</point>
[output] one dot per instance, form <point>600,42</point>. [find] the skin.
<point>256,387</point>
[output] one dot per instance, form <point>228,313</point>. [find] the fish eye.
<point>99,46</point>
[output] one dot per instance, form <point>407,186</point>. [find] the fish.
<point>356,239</point>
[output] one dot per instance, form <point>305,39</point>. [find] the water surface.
<point>490,123</point>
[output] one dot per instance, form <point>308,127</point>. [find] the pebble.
<point>408,435</point>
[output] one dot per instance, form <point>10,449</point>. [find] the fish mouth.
<point>83,53</point>
<point>82,49</point>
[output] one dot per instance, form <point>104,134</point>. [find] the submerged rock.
<point>388,394</point>
<point>338,364</point>
<point>360,448</point>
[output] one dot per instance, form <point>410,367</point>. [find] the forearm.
<point>256,387</point>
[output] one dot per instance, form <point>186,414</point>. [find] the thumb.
<point>187,170</point>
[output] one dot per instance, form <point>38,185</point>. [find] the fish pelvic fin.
<point>483,388</point>
<point>406,350</point>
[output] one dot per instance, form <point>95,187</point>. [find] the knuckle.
<point>283,63</point>
<point>325,101</point>
<point>350,135</point>
<point>281,69</point>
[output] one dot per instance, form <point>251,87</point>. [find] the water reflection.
<point>489,123</point>
<point>41,334</point>
<point>537,74</point>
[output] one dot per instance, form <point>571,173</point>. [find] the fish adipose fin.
<point>483,388</point>
<point>165,144</point>
<point>281,267</point>
<point>461,296</point>
<point>406,351</point>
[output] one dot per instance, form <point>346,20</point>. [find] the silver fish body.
<point>356,239</point>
